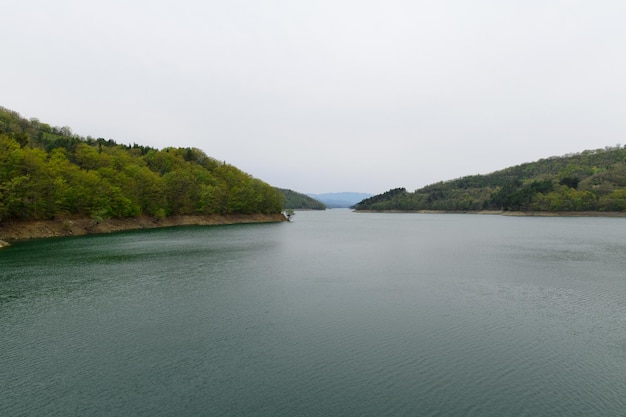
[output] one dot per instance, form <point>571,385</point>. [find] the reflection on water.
<point>336,313</point>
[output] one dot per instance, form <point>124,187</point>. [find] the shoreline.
<point>508,213</point>
<point>79,226</point>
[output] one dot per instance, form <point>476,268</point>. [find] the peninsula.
<point>56,183</point>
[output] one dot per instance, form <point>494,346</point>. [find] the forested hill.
<point>48,172</point>
<point>295,200</point>
<point>593,180</point>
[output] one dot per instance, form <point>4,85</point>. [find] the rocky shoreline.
<point>16,231</point>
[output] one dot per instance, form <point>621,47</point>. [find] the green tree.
<point>49,171</point>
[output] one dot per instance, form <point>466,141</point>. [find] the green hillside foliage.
<point>587,181</point>
<point>294,200</point>
<point>48,172</point>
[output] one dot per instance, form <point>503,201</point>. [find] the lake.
<point>334,314</point>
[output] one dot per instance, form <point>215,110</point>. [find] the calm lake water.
<point>334,314</point>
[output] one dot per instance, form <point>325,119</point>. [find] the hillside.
<point>50,173</point>
<point>340,200</point>
<point>593,180</point>
<point>298,201</point>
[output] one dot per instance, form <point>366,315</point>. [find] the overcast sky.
<point>326,96</point>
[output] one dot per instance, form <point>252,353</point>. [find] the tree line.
<point>48,172</point>
<point>295,200</point>
<point>593,180</point>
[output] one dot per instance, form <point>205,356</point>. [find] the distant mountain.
<point>593,180</point>
<point>295,200</point>
<point>340,200</point>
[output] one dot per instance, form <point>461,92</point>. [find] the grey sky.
<point>326,96</point>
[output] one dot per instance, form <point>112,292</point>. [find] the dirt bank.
<point>13,231</point>
<point>510,213</point>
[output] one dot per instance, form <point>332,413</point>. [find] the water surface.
<point>334,314</point>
